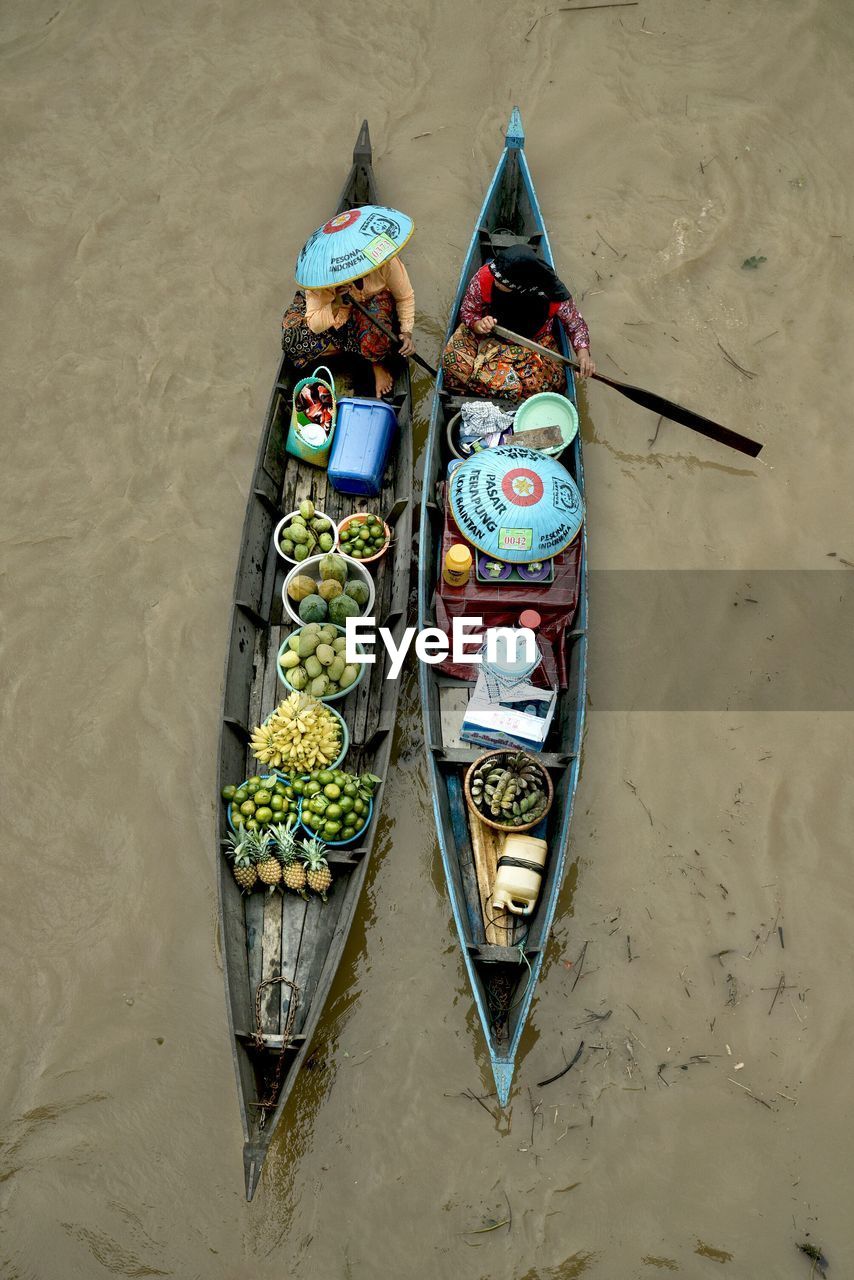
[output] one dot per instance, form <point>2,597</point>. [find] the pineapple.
<point>268,865</point>
<point>243,863</point>
<point>293,871</point>
<point>293,875</point>
<point>318,875</point>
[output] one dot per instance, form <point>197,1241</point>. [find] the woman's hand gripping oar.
<point>378,324</point>
<point>648,399</point>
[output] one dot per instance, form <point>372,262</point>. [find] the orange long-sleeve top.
<point>324,309</point>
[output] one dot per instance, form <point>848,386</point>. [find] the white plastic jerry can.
<point>520,874</point>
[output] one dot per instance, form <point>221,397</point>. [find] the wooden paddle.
<point>378,324</point>
<point>648,399</point>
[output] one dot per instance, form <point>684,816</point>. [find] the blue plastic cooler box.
<point>364,434</point>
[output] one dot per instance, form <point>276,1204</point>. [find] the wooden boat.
<point>281,935</point>
<point>503,957</point>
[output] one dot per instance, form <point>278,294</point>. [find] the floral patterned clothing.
<point>475,305</point>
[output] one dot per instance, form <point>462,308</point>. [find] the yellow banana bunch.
<point>301,735</point>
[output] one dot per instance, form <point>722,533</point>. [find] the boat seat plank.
<point>450,756</point>
<point>272,1044</point>
<point>271,961</point>
<point>499,240</point>
<point>489,954</point>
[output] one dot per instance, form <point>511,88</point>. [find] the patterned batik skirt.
<point>488,367</point>
<point>357,337</point>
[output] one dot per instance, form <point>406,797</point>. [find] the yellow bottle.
<point>457,570</point>
<point>521,866</point>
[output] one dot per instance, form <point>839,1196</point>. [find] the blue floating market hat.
<point>515,504</point>
<point>351,245</point>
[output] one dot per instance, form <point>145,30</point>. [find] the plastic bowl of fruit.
<point>261,801</point>
<point>328,588</point>
<point>334,806</point>
<point>364,536</point>
<point>342,729</point>
<point>303,533</point>
<point>313,653</point>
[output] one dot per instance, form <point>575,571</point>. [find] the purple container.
<point>535,575</point>
<point>483,561</point>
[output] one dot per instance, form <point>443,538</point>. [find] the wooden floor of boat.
<point>286,935</point>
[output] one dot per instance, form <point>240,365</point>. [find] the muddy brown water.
<point>160,167</point>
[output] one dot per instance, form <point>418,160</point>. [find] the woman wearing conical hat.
<point>320,321</point>
<point>520,292</point>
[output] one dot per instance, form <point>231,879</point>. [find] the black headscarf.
<point>533,286</point>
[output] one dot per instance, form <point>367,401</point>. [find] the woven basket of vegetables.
<point>508,790</point>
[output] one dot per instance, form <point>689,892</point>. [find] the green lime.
<point>348,833</point>
<point>277,803</point>
<point>255,780</point>
<point>247,808</point>
<point>345,804</point>
<point>332,791</point>
<point>351,789</point>
<point>262,796</point>
<point>264,814</point>
<point>228,793</point>
<point>312,788</point>
<point>252,825</point>
<point>324,777</point>
<point>331,830</point>
<point>240,795</point>
<point>359,806</point>
<point>334,812</point>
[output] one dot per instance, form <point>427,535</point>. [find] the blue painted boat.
<point>503,975</point>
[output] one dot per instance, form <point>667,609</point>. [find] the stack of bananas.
<point>509,789</point>
<point>301,735</point>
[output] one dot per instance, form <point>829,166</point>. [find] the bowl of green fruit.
<point>335,805</point>
<point>313,658</point>
<point>364,536</point>
<point>328,588</point>
<point>303,533</point>
<point>261,802</point>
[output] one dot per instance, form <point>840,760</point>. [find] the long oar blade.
<point>650,400</point>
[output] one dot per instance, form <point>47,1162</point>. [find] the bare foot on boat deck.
<point>383,380</point>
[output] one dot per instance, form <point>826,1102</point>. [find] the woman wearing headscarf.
<point>520,292</point>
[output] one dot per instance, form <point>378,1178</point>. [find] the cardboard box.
<point>520,720</point>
